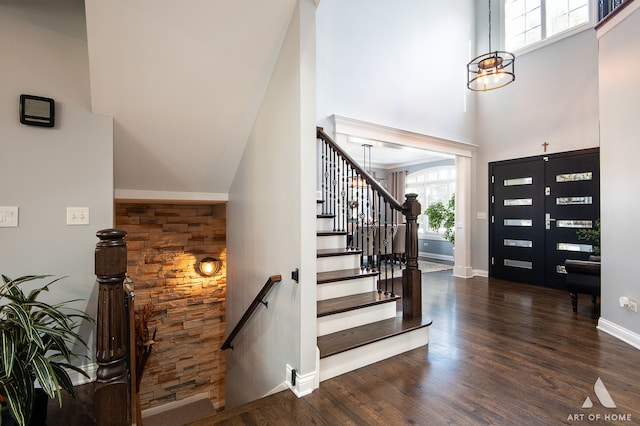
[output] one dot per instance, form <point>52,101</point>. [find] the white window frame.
<point>423,228</point>
<point>545,41</point>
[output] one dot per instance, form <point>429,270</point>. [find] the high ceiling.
<point>183,81</point>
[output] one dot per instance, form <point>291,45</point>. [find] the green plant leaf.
<point>34,336</point>
<point>8,352</point>
<point>45,375</point>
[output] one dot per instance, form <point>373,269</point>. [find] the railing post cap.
<point>111,234</point>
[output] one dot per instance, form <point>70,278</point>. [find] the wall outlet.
<point>627,304</point>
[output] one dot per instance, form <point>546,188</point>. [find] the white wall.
<point>45,170</point>
<point>554,99</point>
<point>619,153</point>
<point>400,64</point>
<point>271,226</point>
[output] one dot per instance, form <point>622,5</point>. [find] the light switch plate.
<point>77,215</point>
<point>8,217</point>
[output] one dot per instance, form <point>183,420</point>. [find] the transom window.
<point>432,185</point>
<point>530,21</point>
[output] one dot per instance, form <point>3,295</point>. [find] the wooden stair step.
<point>353,302</point>
<point>343,275</point>
<point>342,341</point>
<point>325,216</point>
<point>337,252</point>
<point>330,233</point>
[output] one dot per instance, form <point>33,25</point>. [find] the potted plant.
<point>441,216</point>
<point>593,235</point>
<point>35,342</point>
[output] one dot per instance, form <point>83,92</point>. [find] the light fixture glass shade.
<point>491,71</point>
<point>208,266</point>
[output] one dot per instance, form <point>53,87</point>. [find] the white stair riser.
<point>365,355</point>
<point>355,318</point>
<point>335,263</point>
<point>324,224</point>
<point>331,242</point>
<point>345,288</point>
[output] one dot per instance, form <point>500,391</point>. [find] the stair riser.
<point>355,318</point>
<point>345,288</point>
<point>324,224</point>
<point>366,355</point>
<point>331,241</point>
<point>335,263</point>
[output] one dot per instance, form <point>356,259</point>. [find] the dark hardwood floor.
<point>500,353</point>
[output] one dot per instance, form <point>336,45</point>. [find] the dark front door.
<point>537,205</point>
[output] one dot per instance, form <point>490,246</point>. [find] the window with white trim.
<point>432,185</point>
<point>527,22</point>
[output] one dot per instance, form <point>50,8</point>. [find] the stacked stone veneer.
<point>164,242</point>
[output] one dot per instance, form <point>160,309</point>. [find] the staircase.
<point>357,325</point>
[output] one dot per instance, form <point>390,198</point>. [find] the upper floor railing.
<point>606,8</point>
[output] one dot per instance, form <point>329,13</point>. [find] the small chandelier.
<point>492,70</point>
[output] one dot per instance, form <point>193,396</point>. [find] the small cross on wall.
<point>545,145</point>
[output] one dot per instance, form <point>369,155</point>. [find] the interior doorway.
<point>537,205</point>
<point>347,129</point>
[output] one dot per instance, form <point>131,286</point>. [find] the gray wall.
<point>271,227</point>
<point>555,104</point>
<point>400,64</point>
<point>45,170</point>
<point>619,153</point>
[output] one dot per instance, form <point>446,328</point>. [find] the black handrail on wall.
<point>259,299</point>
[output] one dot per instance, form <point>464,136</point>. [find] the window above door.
<point>529,24</point>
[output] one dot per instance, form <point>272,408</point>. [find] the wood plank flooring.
<point>500,353</point>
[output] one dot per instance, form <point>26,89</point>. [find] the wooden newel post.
<point>411,275</point>
<point>111,396</point>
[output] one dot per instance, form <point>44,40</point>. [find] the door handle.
<point>548,220</point>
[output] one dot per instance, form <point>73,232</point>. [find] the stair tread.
<point>330,233</point>
<point>342,341</point>
<point>337,252</point>
<point>343,275</point>
<point>325,216</point>
<point>353,302</point>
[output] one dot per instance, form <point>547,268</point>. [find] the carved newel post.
<point>411,275</point>
<point>112,389</point>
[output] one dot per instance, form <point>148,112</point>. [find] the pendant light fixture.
<point>492,70</point>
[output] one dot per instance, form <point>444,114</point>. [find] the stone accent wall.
<point>164,243</point>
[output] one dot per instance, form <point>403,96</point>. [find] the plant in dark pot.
<point>35,348</point>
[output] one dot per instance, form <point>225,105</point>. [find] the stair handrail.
<point>410,209</point>
<point>273,279</point>
<point>395,204</point>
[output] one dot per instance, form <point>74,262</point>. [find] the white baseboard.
<point>619,332</point>
<point>435,256</point>
<point>305,384</point>
<point>282,386</point>
<point>174,404</point>
<point>480,273</point>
